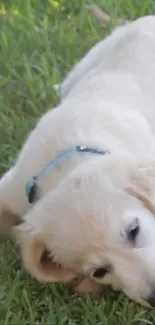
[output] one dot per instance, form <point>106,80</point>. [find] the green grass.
<point>39,43</point>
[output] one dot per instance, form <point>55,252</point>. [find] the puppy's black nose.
<point>151,299</point>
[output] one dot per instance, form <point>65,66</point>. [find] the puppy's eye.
<point>100,273</point>
<point>133,230</point>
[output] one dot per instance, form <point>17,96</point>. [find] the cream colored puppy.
<point>95,213</point>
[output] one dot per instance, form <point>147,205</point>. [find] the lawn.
<point>40,41</point>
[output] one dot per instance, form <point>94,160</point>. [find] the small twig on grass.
<point>99,14</point>
<point>102,16</point>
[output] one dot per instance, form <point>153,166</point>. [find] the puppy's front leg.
<point>8,201</point>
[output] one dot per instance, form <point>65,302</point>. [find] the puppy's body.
<point>111,107</point>
<point>108,103</point>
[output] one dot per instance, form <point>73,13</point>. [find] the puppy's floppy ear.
<point>37,259</point>
<point>142,184</point>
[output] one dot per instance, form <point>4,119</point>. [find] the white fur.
<point>108,102</point>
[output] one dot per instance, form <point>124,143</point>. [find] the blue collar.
<point>32,184</point>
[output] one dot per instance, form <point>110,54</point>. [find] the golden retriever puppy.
<point>84,181</point>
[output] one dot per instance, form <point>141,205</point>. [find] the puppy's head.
<point>98,222</point>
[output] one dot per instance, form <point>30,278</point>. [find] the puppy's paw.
<point>116,286</point>
<point>8,201</point>
<point>87,287</point>
<point>7,219</point>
